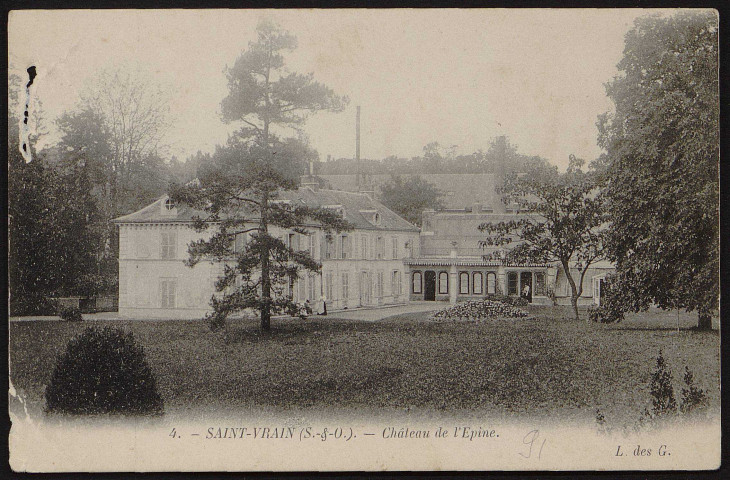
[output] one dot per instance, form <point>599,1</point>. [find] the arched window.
<point>417,281</point>
<point>477,283</point>
<point>491,283</point>
<point>512,283</point>
<point>464,283</point>
<point>443,283</point>
<point>169,205</point>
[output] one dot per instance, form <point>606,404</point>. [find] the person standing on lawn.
<point>322,307</point>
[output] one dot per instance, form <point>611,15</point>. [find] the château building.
<point>361,267</point>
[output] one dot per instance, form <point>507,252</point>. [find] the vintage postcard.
<point>364,240</point>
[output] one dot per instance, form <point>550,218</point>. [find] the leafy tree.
<point>51,226</point>
<point>241,191</point>
<point>661,165</point>
<point>410,197</point>
<point>561,221</point>
<point>117,131</point>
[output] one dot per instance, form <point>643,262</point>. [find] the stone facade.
<point>362,267</point>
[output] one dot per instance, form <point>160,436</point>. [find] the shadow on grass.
<point>288,331</point>
<point>663,329</point>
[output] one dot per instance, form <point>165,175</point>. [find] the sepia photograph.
<point>363,240</point>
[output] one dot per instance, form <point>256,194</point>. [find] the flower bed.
<point>479,309</point>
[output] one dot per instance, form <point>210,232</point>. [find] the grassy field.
<point>546,365</point>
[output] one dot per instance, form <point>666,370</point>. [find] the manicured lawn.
<point>546,365</point>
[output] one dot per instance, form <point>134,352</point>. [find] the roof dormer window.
<point>372,216</point>
<point>169,207</point>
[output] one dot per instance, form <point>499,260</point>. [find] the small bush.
<point>70,314</point>
<point>663,401</point>
<point>103,371</point>
<point>605,314</point>
<point>601,422</point>
<point>693,398</point>
<point>216,321</point>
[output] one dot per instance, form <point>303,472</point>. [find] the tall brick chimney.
<point>358,173</point>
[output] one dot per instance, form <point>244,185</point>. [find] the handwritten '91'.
<point>532,442</point>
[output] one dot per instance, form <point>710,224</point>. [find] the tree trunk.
<point>704,322</point>
<point>574,303</point>
<point>574,293</point>
<point>265,278</point>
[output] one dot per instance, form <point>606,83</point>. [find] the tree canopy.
<point>661,164</point>
<point>410,197</point>
<point>561,220</point>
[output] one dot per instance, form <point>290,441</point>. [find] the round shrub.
<point>70,314</point>
<point>605,314</point>
<point>103,371</point>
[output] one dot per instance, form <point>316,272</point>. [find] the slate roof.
<point>460,190</point>
<point>353,204</point>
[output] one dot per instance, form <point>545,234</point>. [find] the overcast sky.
<point>459,77</point>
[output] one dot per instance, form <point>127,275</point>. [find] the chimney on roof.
<point>357,148</point>
<point>310,180</point>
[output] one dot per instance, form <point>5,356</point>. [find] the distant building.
<point>363,267</point>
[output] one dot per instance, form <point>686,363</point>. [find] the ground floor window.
<point>379,284</point>
<point>345,286</point>
<point>539,283</point>
<point>417,282</point>
<point>167,292</point>
<point>443,283</point>
<point>477,282</point>
<point>312,296</point>
<point>491,283</point>
<point>328,286</point>
<point>301,287</point>
<point>512,283</point>
<point>464,283</point>
<point>395,283</point>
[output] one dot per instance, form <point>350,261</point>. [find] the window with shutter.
<point>167,292</point>
<point>168,242</point>
<point>345,288</point>
<point>417,282</point>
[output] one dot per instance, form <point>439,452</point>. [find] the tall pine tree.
<point>239,195</point>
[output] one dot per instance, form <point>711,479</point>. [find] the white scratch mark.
<point>24,127</point>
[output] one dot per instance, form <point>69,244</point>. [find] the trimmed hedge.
<point>70,314</point>
<point>103,371</point>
